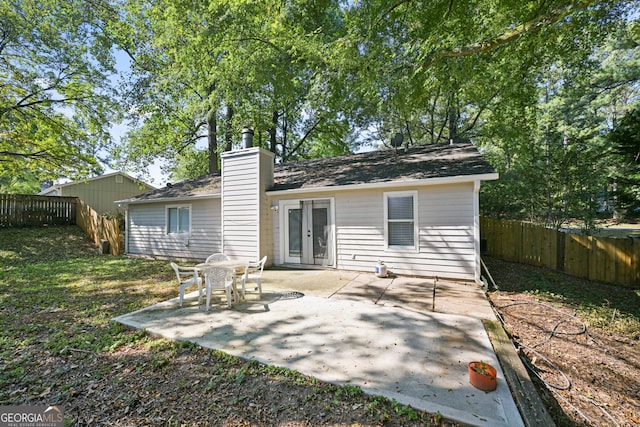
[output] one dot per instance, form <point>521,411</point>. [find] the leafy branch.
<point>531,26</point>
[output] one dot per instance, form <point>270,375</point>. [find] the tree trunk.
<point>408,127</point>
<point>432,115</point>
<point>228,130</point>
<point>285,144</point>
<point>212,139</point>
<point>453,119</point>
<point>616,200</point>
<point>565,173</point>
<point>272,132</point>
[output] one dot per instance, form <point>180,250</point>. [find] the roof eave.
<point>167,199</point>
<point>95,178</point>
<point>389,184</point>
<point>49,190</point>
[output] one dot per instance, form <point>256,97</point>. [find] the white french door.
<point>308,232</point>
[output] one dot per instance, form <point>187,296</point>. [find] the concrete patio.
<point>393,337</point>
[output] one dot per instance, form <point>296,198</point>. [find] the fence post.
<point>560,255</point>
<point>635,261</point>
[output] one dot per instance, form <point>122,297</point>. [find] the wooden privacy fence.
<point>25,209</point>
<point>103,231</point>
<point>29,210</point>
<point>604,259</point>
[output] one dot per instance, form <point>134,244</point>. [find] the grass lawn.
<point>58,346</point>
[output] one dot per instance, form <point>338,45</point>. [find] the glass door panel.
<point>294,220</point>
<point>307,227</point>
<point>320,222</point>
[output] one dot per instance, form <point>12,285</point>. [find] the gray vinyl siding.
<point>147,234</point>
<point>240,204</point>
<point>446,233</point>
<point>278,234</point>
<point>242,223</point>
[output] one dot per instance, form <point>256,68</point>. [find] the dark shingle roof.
<point>203,186</point>
<point>410,164</point>
<point>413,163</point>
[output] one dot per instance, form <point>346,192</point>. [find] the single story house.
<point>102,191</point>
<point>416,209</point>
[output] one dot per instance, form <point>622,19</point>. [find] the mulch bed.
<point>585,376</point>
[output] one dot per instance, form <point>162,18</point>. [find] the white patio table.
<point>231,264</point>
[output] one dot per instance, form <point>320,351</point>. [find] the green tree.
<point>319,78</point>
<point>211,68</point>
<point>191,163</point>
<point>625,138</point>
<point>55,93</point>
<point>438,70</point>
<point>26,182</point>
<point>563,169</point>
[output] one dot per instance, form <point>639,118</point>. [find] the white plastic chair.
<point>218,282</point>
<point>217,257</point>
<point>253,273</point>
<point>187,276</point>
<point>219,278</point>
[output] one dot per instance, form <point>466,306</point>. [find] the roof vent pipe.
<point>247,137</point>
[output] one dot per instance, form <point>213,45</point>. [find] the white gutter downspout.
<point>476,231</point>
<point>126,229</point>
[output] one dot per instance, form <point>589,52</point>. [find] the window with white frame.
<point>401,219</point>
<point>178,219</point>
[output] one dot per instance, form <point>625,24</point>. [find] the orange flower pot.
<point>482,376</point>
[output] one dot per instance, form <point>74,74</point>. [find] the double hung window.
<point>178,219</point>
<point>401,219</point>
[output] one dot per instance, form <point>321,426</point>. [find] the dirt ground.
<point>587,375</point>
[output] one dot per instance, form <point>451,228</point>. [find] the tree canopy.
<point>318,78</point>
<point>537,86</point>
<point>562,166</point>
<point>55,96</point>
<point>625,140</point>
